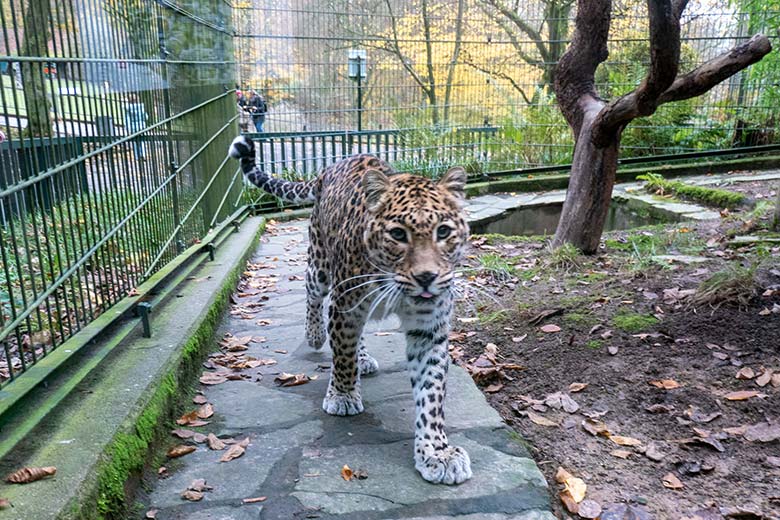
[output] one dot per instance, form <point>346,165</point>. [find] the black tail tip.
<point>241,147</point>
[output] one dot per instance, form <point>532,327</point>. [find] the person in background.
<point>243,115</point>
<point>257,109</point>
<point>135,121</point>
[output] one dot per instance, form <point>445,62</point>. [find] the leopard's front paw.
<point>450,465</point>
<point>315,336</point>
<point>337,403</point>
<point>367,364</point>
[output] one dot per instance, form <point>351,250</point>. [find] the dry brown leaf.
<point>776,380</point>
<point>568,502</point>
<point>671,481</point>
<point>215,443</point>
<point>347,473</point>
<point>741,395</point>
<point>495,387</point>
<point>745,373</point>
<point>187,418</point>
<point>763,432</point>
<point>199,399</point>
<point>183,434</point>
<point>27,475</point>
<point>4,503</point>
<point>151,514</point>
<point>575,486</point>
<point>205,411</point>
<point>764,378</point>
<point>180,450</point>
<point>622,454</point>
<point>666,384</point>
<point>212,378</point>
<point>234,452</point>
<point>625,441</point>
<point>595,427</point>
<point>550,328</point>
<point>736,430</point>
<point>254,500</point>
<point>577,387</point>
<point>286,379</point>
<point>192,496</point>
<point>199,438</point>
<point>541,421</point>
<point>199,484</point>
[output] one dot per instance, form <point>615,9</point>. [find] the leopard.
<point>382,243</point>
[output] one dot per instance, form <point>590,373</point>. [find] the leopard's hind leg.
<point>317,287</point>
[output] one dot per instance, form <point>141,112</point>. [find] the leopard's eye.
<point>443,232</point>
<point>398,234</point>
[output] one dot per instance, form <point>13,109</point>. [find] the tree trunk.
<point>454,60</point>
<point>590,189</point>
<point>776,220</point>
<point>37,32</point>
<point>431,91</point>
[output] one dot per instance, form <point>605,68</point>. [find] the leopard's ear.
<point>376,186</point>
<point>454,181</point>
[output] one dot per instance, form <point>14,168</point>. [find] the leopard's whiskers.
<point>358,304</point>
<point>381,280</point>
<point>355,277</point>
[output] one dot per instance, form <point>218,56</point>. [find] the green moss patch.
<point>655,183</point>
<point>633,321</point>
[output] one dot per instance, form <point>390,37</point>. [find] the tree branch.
<point>523,26</point>
<point>574,76</point>
<point>396,50</point>
<point>705,76</point>
<point>664,62</point>
<point>498,74</point>
<point>513,38</point>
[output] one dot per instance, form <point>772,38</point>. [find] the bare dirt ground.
<point>639,370</point>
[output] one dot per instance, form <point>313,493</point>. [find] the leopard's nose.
<point>425,278</point>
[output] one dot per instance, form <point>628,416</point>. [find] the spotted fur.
<point>382,242</point>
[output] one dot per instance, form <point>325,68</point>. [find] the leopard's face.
<point>416,232</point>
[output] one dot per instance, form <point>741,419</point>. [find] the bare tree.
<point>598,124</point>
<point>776,219</point>
<point>37,33</point>
<point>547,38</point>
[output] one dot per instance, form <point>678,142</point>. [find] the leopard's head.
<point>416,231</point>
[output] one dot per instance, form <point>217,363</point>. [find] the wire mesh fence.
<point>116,115</point>
<point>435,66</point>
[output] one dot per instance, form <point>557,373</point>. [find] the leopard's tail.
<point>243,148</point>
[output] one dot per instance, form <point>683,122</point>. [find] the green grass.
<point>735,285</point>
<point>565,258</point>
<point>497,266</point>
<point>655,183</point>
<point>630,321</point>
<point>594,344</point>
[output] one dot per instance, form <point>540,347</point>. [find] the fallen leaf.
<point>577,387</point>
<point>192,496</point>
<point>764,378</point>
<point>659,408</point>
<point>254,500</point>
<point>745,373</point>
<point>595,427</point>
<point>720,355</point>
<point>625,441</point>
<point>741,395</point>
<point>574,485</point>
<point>205,411</point>
<point>776,380</point>
<point>763,432</point>
<point>518,339</point>
<point>568,502</point>
<point>550,328</point>
<point>180,451</point>
<point>183,434</point>
<point>213,378</point>
<point>653,452</point>
<point>589,509</point>
<point>622,454</point>
<point>27,475</point>
<point>151,514</point>
<point>347,473</point>
<point>495,387</point>
<point>697,416</point>
<point>187,418</point>
<point>199,399</point>
<point>541,421</point>
<point>666,384</point>
<point>613,350</point>
<point>263,322</point>
<point>199,484</point>
<point>285,379</point>
<point>671,481</point>
<point>234,452</point>
<point>215,443</point>
<point>736,431</point>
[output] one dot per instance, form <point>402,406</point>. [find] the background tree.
<point>597,125</point>
<point>548,38</point>
<point>37,33</point>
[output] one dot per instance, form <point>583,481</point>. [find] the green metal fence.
<point>116,115</point>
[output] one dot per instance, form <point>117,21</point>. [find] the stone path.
<point>297,451</point>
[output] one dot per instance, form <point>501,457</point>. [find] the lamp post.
<point>357,72</point>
